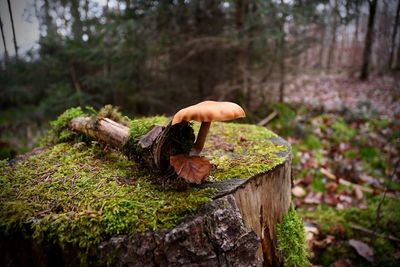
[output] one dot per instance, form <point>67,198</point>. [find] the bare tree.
<point>282,69</point>
<point>4,41</point>
<point>13,29</point>
<point>334,33</point>
<point>394,34</point>
<point>369,38</point>
<point>242,8</point>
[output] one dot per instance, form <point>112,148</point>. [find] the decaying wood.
<point>155,144</point>
<point>102,129</point>
<point>263,202</point>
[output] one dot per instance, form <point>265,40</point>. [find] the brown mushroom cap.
<point>208,111</point>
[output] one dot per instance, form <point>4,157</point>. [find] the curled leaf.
<point>362,249</point>
<point>193,169</point>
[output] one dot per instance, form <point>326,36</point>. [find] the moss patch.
<point>241,150</point>
<point>79,194</point>
<point>137,128</point>
<point>291,240</point>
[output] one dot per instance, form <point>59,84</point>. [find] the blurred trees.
<point>157,56</point>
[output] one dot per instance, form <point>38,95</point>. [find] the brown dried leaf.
<point>298,191</point>
<point>193,169</point>
<point>342,263</point>
<point>313,198</point>
<point>362,249</point>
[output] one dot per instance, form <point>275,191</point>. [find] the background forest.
<point>322,73</point>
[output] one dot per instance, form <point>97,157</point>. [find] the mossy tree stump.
<point>104,208</point>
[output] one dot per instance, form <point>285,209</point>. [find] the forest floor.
<point>345,136</point>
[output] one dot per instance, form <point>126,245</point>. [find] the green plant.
<point>291,240</point>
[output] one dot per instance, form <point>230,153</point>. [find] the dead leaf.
<point>313,198</point>
<point>330,198</point>
<point>331,187</point>
<point>337,230</point>
<point>324,242</point>
<point>362,249</point>
<point>193,169</point>
<point>358,192</point>
<point>342,263</point>
<point>298,191</point>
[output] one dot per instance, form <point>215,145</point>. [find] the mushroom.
<point>192,167</point>
<point>206,112</point>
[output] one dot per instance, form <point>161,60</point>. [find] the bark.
<point>394,34</point>
<point>4,41</point>
<point>13,29</point>
<point>368,40</point>
<point>104,130</point>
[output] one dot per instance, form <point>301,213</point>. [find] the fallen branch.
<point>267,119</point>
<point>367,231</point>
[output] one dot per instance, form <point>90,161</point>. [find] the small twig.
<point>268,118</point>
<point>365,230</point>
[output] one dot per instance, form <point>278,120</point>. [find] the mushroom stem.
<point>201,138</point>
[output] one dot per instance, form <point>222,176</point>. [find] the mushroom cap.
<point>208,111</point>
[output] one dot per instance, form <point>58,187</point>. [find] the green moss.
<point>78,194</point>
<point>59,131</point>
<point>241,150</point>
<point>113,113</point>
<point>291,240</point>
<point>342,132</point>
<point>139,127</point>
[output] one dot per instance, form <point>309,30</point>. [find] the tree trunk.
<point>394,34</point>
<point>321,51</point>
<point>242,7</point>
<point>77,22</point>
<point>368,40</point>
<point>282,54</point>
<point>4,41</point>
<point>51,30</point>
<point>354,49</point>
<point>332,45</point>
<point>13,29</point>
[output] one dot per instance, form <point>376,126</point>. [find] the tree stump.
<point>249,193</point>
